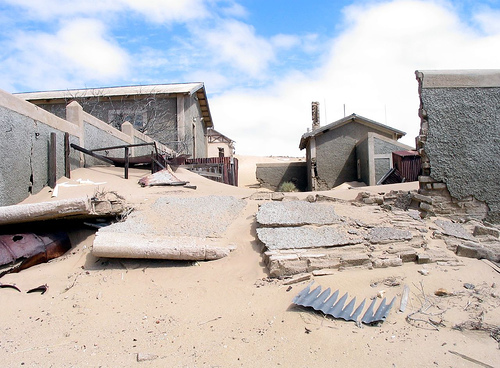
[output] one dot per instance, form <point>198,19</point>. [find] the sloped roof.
<point>214,133</point>
<point>346,120</point>
<point>152,89</point>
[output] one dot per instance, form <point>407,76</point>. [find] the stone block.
<point>421,198</point>
<point>439,186</point>
<point>357,259</point>
<point>323,263</point>
<point>423,258</point>
<point>387,262</point>
<point>483,230</point>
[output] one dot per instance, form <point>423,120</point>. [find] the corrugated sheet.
<point>328,304</point>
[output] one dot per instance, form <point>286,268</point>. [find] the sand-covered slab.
<point>129,245</point>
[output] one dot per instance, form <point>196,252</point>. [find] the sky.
<point>262,61</point>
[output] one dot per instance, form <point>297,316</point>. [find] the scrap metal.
<point>328,304</point>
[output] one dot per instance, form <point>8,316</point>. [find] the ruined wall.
<point>460,143</point>
<point>25,131</point>
<point>272,175</point>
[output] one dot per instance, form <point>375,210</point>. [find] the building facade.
<point>177,115</point>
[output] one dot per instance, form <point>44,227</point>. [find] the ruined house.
<point>219,145</point>
<point>353,148</point>
<point>176,115</point>
<point>459,143</point>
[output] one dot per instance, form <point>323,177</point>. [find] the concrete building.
<point>353,148</point>
<point>459,143</point>
<point>177,115</point>
<point>219,145</point>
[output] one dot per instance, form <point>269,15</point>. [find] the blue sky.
<point>262,62</point>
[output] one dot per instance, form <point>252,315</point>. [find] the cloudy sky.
<point>262,61</point>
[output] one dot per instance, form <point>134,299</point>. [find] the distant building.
<point>176,115</point>
<point>353,148</point>
<point>219,145</point>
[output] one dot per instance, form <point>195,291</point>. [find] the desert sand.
<point>102,312</point>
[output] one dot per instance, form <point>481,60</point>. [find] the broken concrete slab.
<point>304,237</point>
<point>130,245</point>
<point>384,235</point>
<point>453,229</point>
<point>296,213</point>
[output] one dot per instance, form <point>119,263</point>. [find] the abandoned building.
<point>353,148</point>
<point>219,145</point>
<point>459,143</point>
<point>176,115</point>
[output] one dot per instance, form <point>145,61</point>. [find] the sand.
<point>228,313</point>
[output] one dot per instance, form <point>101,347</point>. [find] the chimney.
<point>315,115</point>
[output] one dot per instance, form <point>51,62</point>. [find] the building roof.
<point>346,120</point>
<point>190,89</point>
<point>459,78</point>
<point>215,136</point>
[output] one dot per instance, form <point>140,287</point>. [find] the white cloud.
<point>234,44</point>
<point>369,68</point>
<point>79,51</point>
<point>155,10</point>
<point>488,20</point>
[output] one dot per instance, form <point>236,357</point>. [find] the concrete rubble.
<point>310,236</point>
<point>172,228</point>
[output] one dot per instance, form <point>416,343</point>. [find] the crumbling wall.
<point>25,131</point>
<point>459,143</point>
<point>272,175</point>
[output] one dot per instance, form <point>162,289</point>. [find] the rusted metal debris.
<point>8,286</point>
<point>328,304</point>
<point>20,251</point>
<point>42,288</point>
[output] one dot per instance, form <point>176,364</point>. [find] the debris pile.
<point>304,236</point>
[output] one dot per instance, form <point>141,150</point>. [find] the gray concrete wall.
<point>24,144</point>
<point>362,155</point>
<point>460,134</point>
<point>336,154</point>
<point>272,175</point>
<point>195,127</point>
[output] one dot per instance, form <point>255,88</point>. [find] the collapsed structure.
<point>459,143</point>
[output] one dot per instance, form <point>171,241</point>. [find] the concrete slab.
<point>305,237</point>
<point>296,213</point>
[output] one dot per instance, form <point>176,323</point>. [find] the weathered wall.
<point>272,175</point>
<point>374,153</point>
<point>362,155</point>
<point>460,142</point>
<point>336,154</point>
<point>24,140</point>
<point>195,129</point>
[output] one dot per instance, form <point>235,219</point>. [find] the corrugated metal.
<point>322,301</point>
<point>408,163</point>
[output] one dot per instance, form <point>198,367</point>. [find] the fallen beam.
<point>75,207</point>
<point>129,245</point>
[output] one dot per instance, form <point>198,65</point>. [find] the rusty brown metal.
<point>20,251</point>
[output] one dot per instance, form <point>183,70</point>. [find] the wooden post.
<point>126,162</point>
<point>67,167</point>
<point>52,160</point>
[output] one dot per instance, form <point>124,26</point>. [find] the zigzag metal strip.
<point>328,304</point>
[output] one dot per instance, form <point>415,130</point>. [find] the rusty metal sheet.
<point>30,249</point>
<point>328,304</point>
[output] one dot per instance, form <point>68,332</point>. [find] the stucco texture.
<point>463,141</point>
<point>336,153</point>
